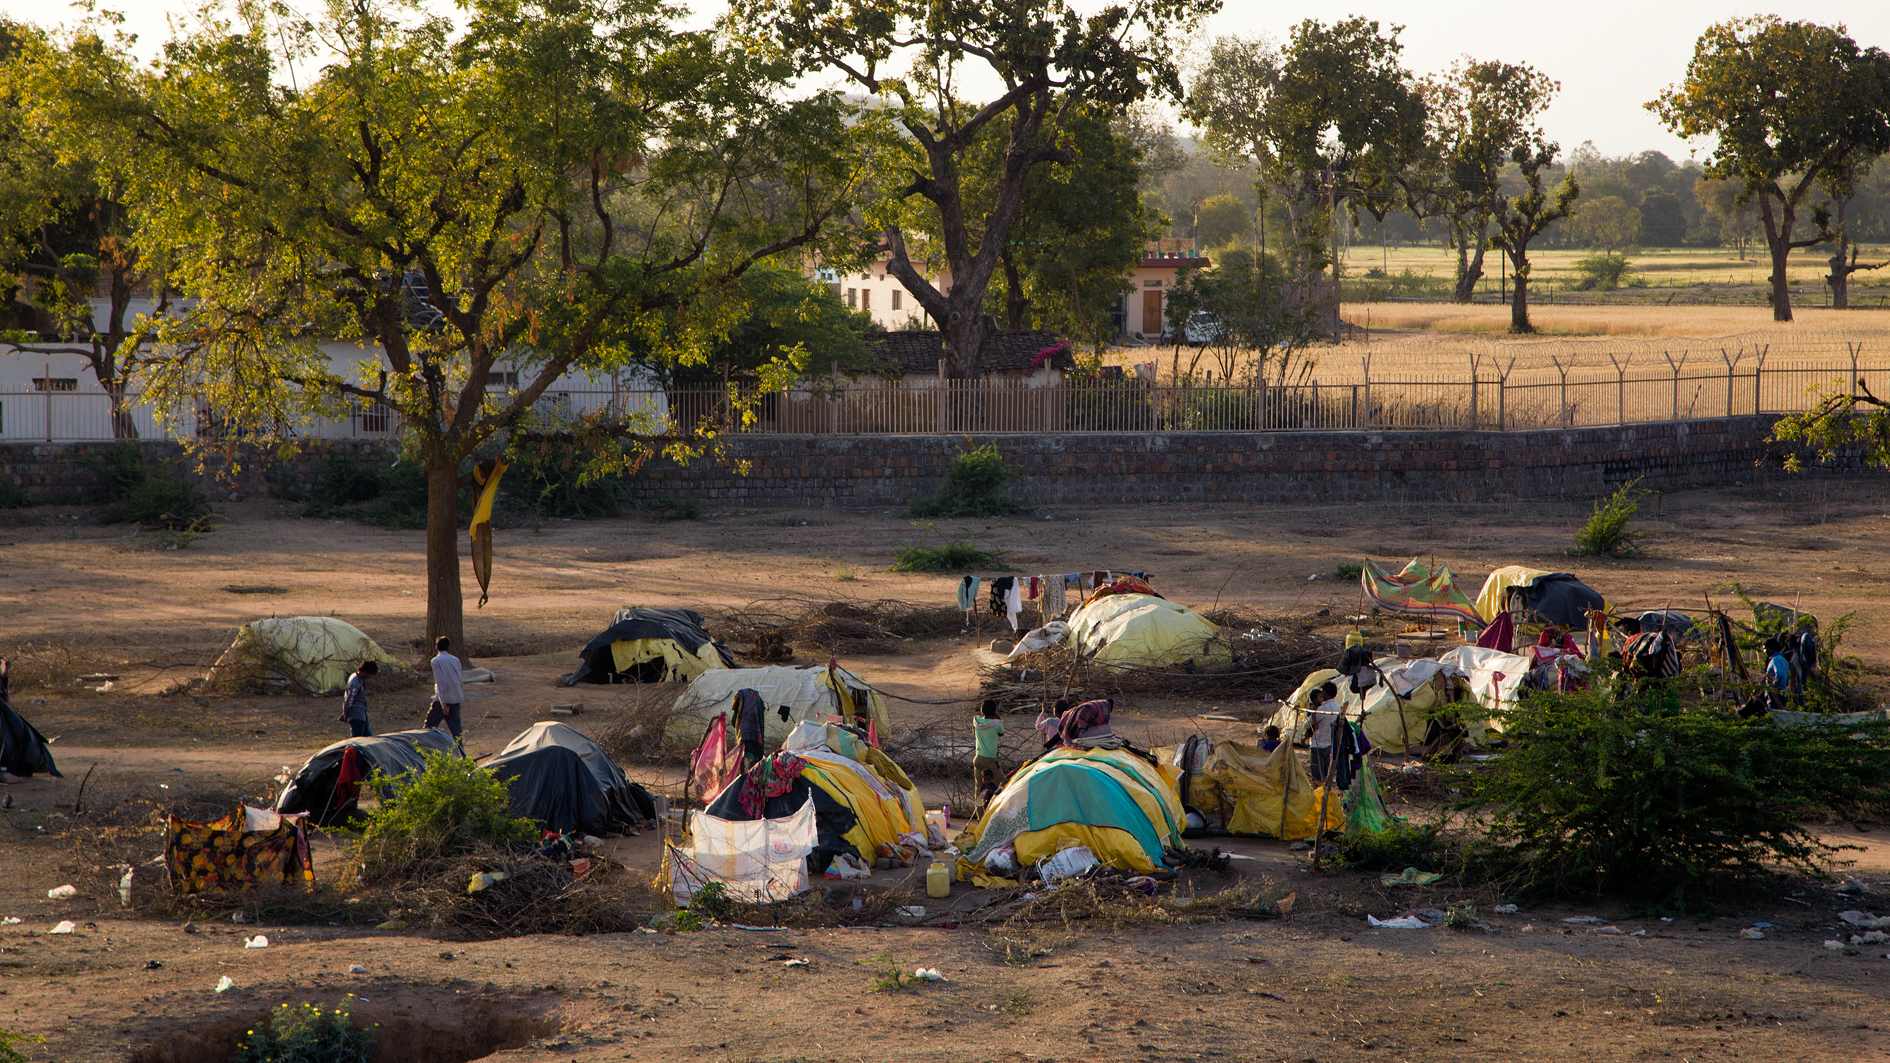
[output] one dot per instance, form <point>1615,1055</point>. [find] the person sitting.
<point>987,789</point>
<point>1778,664</point>
<point>1271,741</point>
<point>1050,724</point>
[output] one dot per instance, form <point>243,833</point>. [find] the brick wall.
<point>887,471</point>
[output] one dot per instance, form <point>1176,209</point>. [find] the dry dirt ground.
<point>78,598</point>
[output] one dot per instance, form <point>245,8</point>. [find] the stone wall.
<point>888,471</point>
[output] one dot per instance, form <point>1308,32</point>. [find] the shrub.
<point>137,496</point>
<point>1606,271</point>
<point>680,507</point>
<point>1395,848</point>
<point>1607,529</point>
<point>340,481</point>
<point>548,481</point>
<point>1348,570</point>
<point>959,554</point>
<point>974,487</point>
<point>452,807</point>
<point>307,1034</point>
<point>9,1053</point>
<point>1628,793</point>
<point>13,496</point>
<point>401,502</point>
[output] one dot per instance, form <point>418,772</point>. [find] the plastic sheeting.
<point>1270,792</point>
<point>1125,809</point>
<point>567,782</point>
<point>312,789</point>
<point>1144,631</point>
<point>638,639</point>
<point>23,750</point>
<point>1417,591</point>
<point>1547,597</point>
<point>1493,677</point>
<point>807,692</point>
<point>756,860</point>
<point>313,653</point>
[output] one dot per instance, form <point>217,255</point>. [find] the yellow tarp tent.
<point>1123,808</point>
<point>809,693</point>
<point>1144,631</point>
<point>313,653</point>
<point>1270,793</point>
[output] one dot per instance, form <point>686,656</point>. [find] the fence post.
<point>1502,394</point>
<point>1676,379</point>
<point>943,398</point>
<point>46,382</point>
<point>1730,364</point>
<point>1854,348</point>
<point>1620,387</point>
<point>1758,372</point>
<point>1562,391</point>
<point>1367,360</point>
<point>1474,359</point>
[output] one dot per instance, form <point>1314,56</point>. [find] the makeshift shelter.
<point>247,848</point>
<point>1144,631</point>
<point>649,646</point>
<point>825,794</point>
<point>1415,590</point>
<point>311,654</point>
<point>23,750</point>
<point>1116,802</point>
<point>1261,792</point>
<point>1542,597</point>
<point>567,782</point>
<point>328,785</point>
<point>1493,678</point>
<point>1394,714</point>
<point>808,693</point>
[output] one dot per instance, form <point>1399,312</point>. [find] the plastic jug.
<point>938,879</point>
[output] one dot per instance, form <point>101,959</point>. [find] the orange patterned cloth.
<point>224,854</point>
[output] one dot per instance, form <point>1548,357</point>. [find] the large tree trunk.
<point>1469,267</point>
<point>1778,242</point>
<point>1840,281</point>
<point>446,607</point>
<point>1014,302</point>
<point>1519,299</point>
<point>124,426</point>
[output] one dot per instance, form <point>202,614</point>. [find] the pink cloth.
<point>1500,635</point>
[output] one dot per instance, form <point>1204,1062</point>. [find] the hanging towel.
<point>968,593</point>
<point>1013,604</point>
<point>1053,600</point>
<point>1036,588</point>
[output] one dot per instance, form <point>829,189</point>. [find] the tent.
<point>1144,631</point>
<point>313,654</point>
<point>326,786</point>
<point>1417,591</point>
<point>649,646</point>
<point>846,797</point>
<point>1393,714</point>
<point>23,750</point>
<point>809,694</point>
<point>1116,802</point>
<point>1492,677</point>
<point>567,782</point>
<point>1543,597</point>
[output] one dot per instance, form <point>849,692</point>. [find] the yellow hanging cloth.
<point>486,474</point>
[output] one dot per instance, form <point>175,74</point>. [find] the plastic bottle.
<point>938,879</point>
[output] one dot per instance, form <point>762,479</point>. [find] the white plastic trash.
<point>60,893</point>
<point>1403,922</point>
<point>1003,860</point>
<point>928,974</point>
<point>225,984</point>
<point>355,968</point>
<point>124,887</point>
<point>1506,909</point>
<point>913,911</point>
<point>1068,863</point>
<point>257,942</point>
<point>1752,934</point>
<point>66,926</point>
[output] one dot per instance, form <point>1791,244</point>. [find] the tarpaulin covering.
<point>756,860</point>
<point>567,782</point>
<point>315,654</point>
<point>1546,597</point>
<point>1418,591</point>
<point>23,750</point>
<point>1270,792</point>
<point>248,847</point>
<point>650,645</point>
<point>1393,714</point>
<point>1144,631</point>
<point>317,788</point>
<point>1125,809</point>
<point>809,693</point>
<point>1493,678</point>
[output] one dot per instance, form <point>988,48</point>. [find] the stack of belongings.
<point>649,646</point>
<point>328,786</point>
<point>567,783</point>
<point>826,803</point>
<point>1092,793</point>
<point>247,848</point>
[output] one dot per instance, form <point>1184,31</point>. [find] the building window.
<point>374,416</point>
<point>866,299</point>
<point>853,297</point>
<point>1152,284</point>
<point>896,295</point>
<point>502,380</point>
<point>58,383</point>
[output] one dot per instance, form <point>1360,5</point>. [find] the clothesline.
<point>1008,593</point>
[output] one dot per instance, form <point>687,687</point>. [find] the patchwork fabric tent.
<point>841,796</point>
<point>567,782</point>
<point>248,847</point>
<point>1144,631</point>
<point>312,654</point>
<point>809,694</point>
<point>649,646</point>
<point>1124,808</point>
<point>1416,590</point>
<point>327,786</point>
<point>1545,597</point>
<point>23,750</point>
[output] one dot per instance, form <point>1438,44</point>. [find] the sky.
<point>1611,56</point>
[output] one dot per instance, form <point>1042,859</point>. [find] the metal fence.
<point>1511,401</point>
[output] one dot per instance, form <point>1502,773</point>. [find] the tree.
<point>1050,59</point>
<point>1608,223</point>
<point>1219,220</point>
<point>1737,218</point>
<point>66,229</point>
<point>1663,220</point>
<point>1788,102</point>
<point>1257,316</point>
<point>1478,114</point>
<point>1524,217</point>
<point>1841,184</point>
<point>791,321</point>
<point>559,186</point>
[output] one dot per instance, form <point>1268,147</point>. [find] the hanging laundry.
<point>1085,581</point>
<point>1053,598</point>
<point>1099,577</point>
<point>1036,588</point>
<point>1014,604</point>
<point>1000,590</point>
<point>968,593</point>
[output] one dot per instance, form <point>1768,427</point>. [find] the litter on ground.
<point>1403,922</point>
<point>66,926</point>
<point>60,893</point>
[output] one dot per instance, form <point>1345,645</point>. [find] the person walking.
<point>448,689</point>
<point>986,730</point>
<point>354,700</point>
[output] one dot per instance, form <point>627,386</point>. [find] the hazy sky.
<point>1611,56</point>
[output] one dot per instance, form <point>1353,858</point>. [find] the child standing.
<point>986,728</point>
<point>354,700</point>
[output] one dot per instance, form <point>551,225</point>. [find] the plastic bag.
<point>1068,863</point>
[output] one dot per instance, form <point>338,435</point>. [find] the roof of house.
<point>919,352</point>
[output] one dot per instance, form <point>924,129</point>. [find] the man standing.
<point>447,689</point>
<point>354,700</point>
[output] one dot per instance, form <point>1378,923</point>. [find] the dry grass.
<point>850,626</point>
<point>1717,323</point>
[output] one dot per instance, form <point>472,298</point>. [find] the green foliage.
<point>1401,845</point>
<point>1257,327</point>
<point>9,1042</point>
<point>1607,530</point>
<point>137,495</point>
<point>1461,916</point>
<point>974,487</point>
<point>1607,222</point>
<point>551,480</point>
<point>1625,792</point>
<point>709,904</point>
<point>1348,570</point>
<point>401,502</point>
<point>307,1034</point>
<point>792,320</point>
<point>1606,271</point>
<point>680,507</point>
<point>341,481</point>
<point>960,554</point>
<point>13,496</point>
<point>1838,421</point>
<point>452,807</point>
